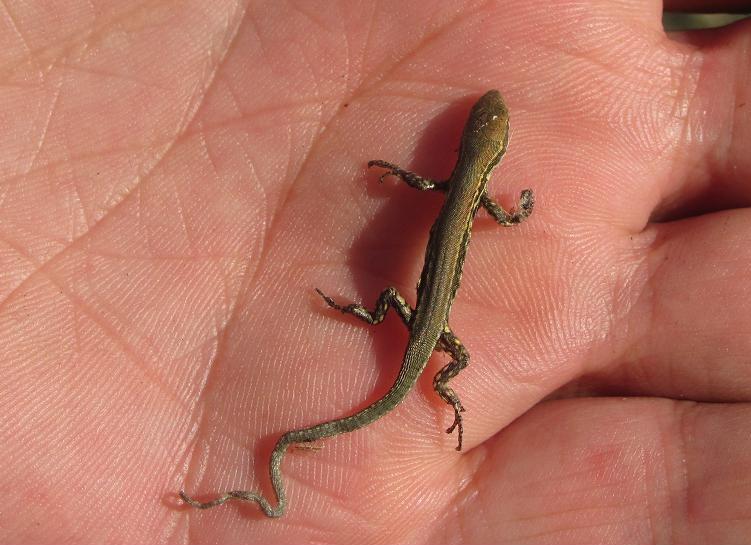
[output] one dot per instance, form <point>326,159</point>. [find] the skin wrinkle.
<point>55,165</point>
<point>684,100</point>
<point>469,488</point>
<point>624,307</point>
<point>15,26</point>
<point>685,422</point>
<point>668,506</point>
<point>80,38</point>
<point>108,74</point>
<point>47,120</point>
<point>385,72</point>
<point>85,220</point>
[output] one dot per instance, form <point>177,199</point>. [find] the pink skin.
<point>177,178</point>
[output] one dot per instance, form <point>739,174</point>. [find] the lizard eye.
<point>488,120</point>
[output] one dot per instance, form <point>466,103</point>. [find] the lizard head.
<point>489,118</point>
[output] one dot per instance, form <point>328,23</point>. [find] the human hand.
<point>178,179</point>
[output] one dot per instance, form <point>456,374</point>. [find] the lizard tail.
<point>248,496</point>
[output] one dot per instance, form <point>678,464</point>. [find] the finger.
<point>612,471</point>
<point>687,333</point>
<point>711,166</point>
<point>697,318</point>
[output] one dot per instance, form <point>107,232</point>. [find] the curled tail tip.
<point>527,198</point>
<point>190,501</point>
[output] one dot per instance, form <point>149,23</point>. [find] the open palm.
<point>177,179</point>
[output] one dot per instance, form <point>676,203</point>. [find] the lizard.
<point>483,144</point>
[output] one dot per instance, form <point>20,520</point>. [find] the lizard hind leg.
<point>519,214</point>
<point>460,359</point>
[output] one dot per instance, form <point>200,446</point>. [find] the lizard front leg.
<point>389,297</point>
